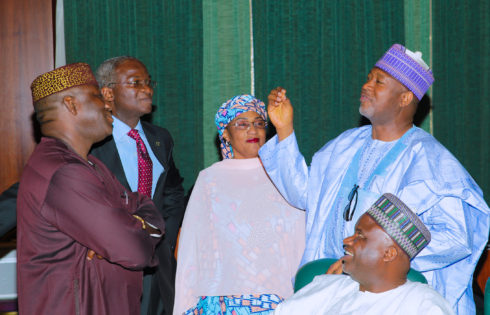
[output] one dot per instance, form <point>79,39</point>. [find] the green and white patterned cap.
<point>400,223</point>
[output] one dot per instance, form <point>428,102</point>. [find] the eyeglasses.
<point>243,124</point>
<point>349,209</point>
<point>138,84</point>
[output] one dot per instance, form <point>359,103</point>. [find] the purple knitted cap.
<point>408,68</point>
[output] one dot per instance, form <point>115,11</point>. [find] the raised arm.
<point>280,112</point>
<point>280,155</point>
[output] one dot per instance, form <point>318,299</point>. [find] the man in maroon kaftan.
<point>70,206</point>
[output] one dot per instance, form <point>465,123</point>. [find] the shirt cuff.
<point>154,235</point>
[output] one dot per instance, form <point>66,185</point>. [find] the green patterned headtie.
<point>400,223</point>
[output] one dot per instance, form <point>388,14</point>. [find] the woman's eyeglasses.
<point>243,124</point>
<point>351,206</point>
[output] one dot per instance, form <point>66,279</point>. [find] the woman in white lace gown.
<point>241,242</point>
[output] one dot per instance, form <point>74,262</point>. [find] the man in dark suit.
<point>140,156</point>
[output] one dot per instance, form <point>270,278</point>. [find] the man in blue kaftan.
<point>389,156</point>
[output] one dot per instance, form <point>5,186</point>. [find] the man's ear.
<point>406,98</point>
<point>70,103</point>
<point>390,254</point>
<point>107,94</point>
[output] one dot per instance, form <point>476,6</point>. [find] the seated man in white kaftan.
<point>377,259</point>
<point>390,155</point>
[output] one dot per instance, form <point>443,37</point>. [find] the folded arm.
<point>79,204</point>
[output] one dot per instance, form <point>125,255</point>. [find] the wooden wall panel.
<point>26,50</point>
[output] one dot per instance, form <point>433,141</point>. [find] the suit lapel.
<point>157,146</point>
<point>109,155</point>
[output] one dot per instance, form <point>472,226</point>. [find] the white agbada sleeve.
<point>287,168</point>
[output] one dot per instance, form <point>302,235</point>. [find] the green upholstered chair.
<point>486,299</point>
<point>416,276</point>
<point>309,270</point>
